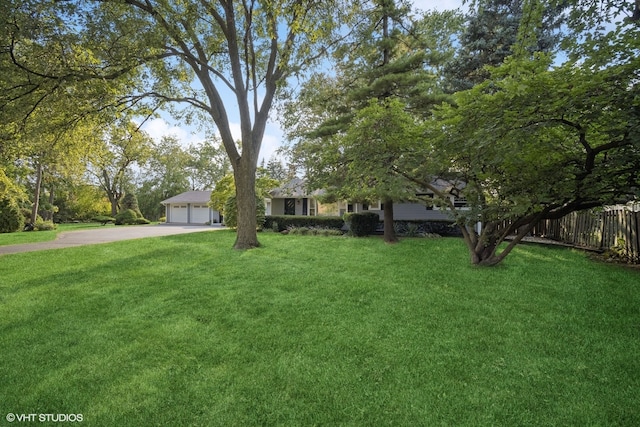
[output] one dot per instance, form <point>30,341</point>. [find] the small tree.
<point>130,201</point>
<point>533,143</point>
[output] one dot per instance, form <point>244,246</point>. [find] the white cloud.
<point>159,127</point>
<point>271,142</point>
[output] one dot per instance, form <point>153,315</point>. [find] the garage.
<point>191,207</point>
<point>199,214</point>
<point>179,213</point>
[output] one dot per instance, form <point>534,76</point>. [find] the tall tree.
<point>490,34</point>
<point>208,164</point>
<point>214,56</point>
<point>391,58</point>
<point>123,145</point>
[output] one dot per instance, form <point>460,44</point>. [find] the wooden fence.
<point>600,230</point>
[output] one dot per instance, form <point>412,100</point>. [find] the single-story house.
<point>191,207</point>
<point>293,199</point>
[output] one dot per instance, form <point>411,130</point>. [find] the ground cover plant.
<point>318,331</point>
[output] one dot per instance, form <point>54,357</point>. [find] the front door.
<point>289,206</point>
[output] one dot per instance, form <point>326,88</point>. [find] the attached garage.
<point>190,207</point>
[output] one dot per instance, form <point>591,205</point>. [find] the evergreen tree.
<point>389,63</point>
<point>489,37</point>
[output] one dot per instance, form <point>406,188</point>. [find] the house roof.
<point>292,189</point>
<point>189,197</point>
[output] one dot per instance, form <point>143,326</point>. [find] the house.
<point>191,207</point>
<point>293,199</point>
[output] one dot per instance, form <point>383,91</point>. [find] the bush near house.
<point>362,224</point>
<point>284,222</point>
<point>127,216</point>
<point>427,227</point>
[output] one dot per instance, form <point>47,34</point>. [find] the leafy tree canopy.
<point>533,143</point>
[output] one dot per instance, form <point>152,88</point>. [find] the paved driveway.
<point>107,234</point>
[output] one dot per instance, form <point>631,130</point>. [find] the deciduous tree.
<point>531,143</point>
<point>215,56</point>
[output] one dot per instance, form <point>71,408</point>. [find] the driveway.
<point>107,234</point>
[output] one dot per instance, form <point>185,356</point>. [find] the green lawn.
<point>184,331</point>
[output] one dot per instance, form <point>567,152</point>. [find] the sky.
<point>165,125</point>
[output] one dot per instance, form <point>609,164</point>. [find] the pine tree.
<point>489,37</point>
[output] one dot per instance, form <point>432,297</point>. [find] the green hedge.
<point>283,222</point>
<point>363,224</point>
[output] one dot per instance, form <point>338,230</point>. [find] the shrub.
<point>11,219</point>
<point>45,225</point>
<point>280,223</point>
<point>314,231</point>
<point>127,216</point>
<point>103,219</point>
<point>130,201</point>
<point>142,221</point>
<point>363,224</point>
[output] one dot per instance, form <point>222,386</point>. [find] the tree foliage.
<point>491,35</point>
<point>532,143</point>
<point>353,126</point>
<point>121,146</point>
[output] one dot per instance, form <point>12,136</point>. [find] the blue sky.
<point>273,138</point>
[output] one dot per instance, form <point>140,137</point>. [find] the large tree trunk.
<point>245,178</point>
<point>483,248</point>
<point>36,194</point>
<point>389,230</point>
<point>112,192</point>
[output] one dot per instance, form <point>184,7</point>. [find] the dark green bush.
<point>284,222</point>
<point>127,216</point>
<point>130,201</point>
<point>363,224</point>
<point>142,221</point>
<point>103,219</point>
<point>11,219</point>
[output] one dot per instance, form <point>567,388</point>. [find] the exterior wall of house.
<point>190,213</point>
<point>299,206</point>
<point>277,206</point>
<point>401,211</point>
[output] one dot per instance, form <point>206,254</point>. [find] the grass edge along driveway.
<point>182,330</point>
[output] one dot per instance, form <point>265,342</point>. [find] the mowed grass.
<point>184,331</point>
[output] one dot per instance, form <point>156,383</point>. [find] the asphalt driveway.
<point>106,235</point>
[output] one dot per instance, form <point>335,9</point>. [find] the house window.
<point>460,202</point>
<point>350,207</point>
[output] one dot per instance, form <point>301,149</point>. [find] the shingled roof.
<point>201,197</point>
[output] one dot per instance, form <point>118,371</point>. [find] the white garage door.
<point>178,213</point>
<point>199,214</point>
